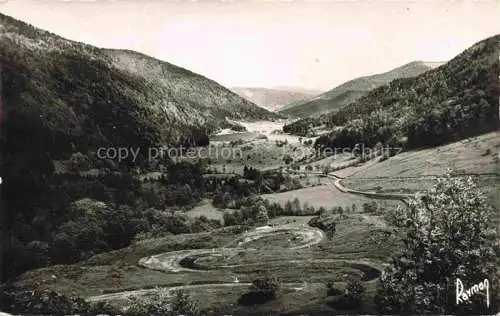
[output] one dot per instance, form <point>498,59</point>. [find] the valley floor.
<point>217,267</point>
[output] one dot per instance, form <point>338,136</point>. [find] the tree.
<point>262,216</point>
<point>287,159</point>
<point>265,287</point>
<point>79,162</point>
<point>296,206</point>
<point>183,304</point>
<point>448,235</point>
<point>354,290</point>
<point>261,290</point>
<point>325,169</point>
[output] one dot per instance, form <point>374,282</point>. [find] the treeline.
<point>251,211</point>
<point>303,126</point>
<point>227,191</point>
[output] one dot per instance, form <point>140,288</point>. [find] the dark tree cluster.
<point>251,173</point>
<point>303,126</point>
<point>65,218</point>
<point>261,290</point>
<point>248,211</point>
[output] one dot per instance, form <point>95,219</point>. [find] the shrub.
<point>448,235</point>
<point>331,290</point>
<point>261,290</point>
<point>370,207</point>
<point>183,304</point>
<point>354,292</point>
<point>351,298</point>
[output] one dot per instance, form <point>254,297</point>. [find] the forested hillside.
<point>452,102</point>
<point>61,102</point>
<point>352,90</point>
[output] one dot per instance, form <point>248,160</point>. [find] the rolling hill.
<point>277,98</point>
<point>352,90</point>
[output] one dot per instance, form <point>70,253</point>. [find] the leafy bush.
<point>325,223</point>
<point>350,298</point>
<point>261,290</point>
<point>448,235</point>
<point>331,290</point>
<point>371,207</point>
<point>354,292</point>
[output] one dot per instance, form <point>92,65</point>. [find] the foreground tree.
<point>448,236</point>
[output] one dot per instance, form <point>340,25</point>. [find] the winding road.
<point>186,260</point>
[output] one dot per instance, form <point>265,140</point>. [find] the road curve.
<point>376,195</point>
<point>173,261</point>
<point>184,261</point>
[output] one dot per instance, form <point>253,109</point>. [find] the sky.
<point>311,44</point>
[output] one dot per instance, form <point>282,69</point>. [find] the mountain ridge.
<point>452,102</point>
<point>274,99</point>
<point>209,104</point>
<point>353,89</point>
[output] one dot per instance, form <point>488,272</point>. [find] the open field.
<point>414,171</point>
<point>205,208</point>
<point>478,155</point>
<point>326,195</point>
<point>262,154</point>
<point>337,160</point>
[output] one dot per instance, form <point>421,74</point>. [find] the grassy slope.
<point>415,170</point>
<point>474,155</point>
<point>325,195</point>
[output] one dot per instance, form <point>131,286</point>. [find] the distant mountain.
<point>275,99</point>
<point>352,90</point>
